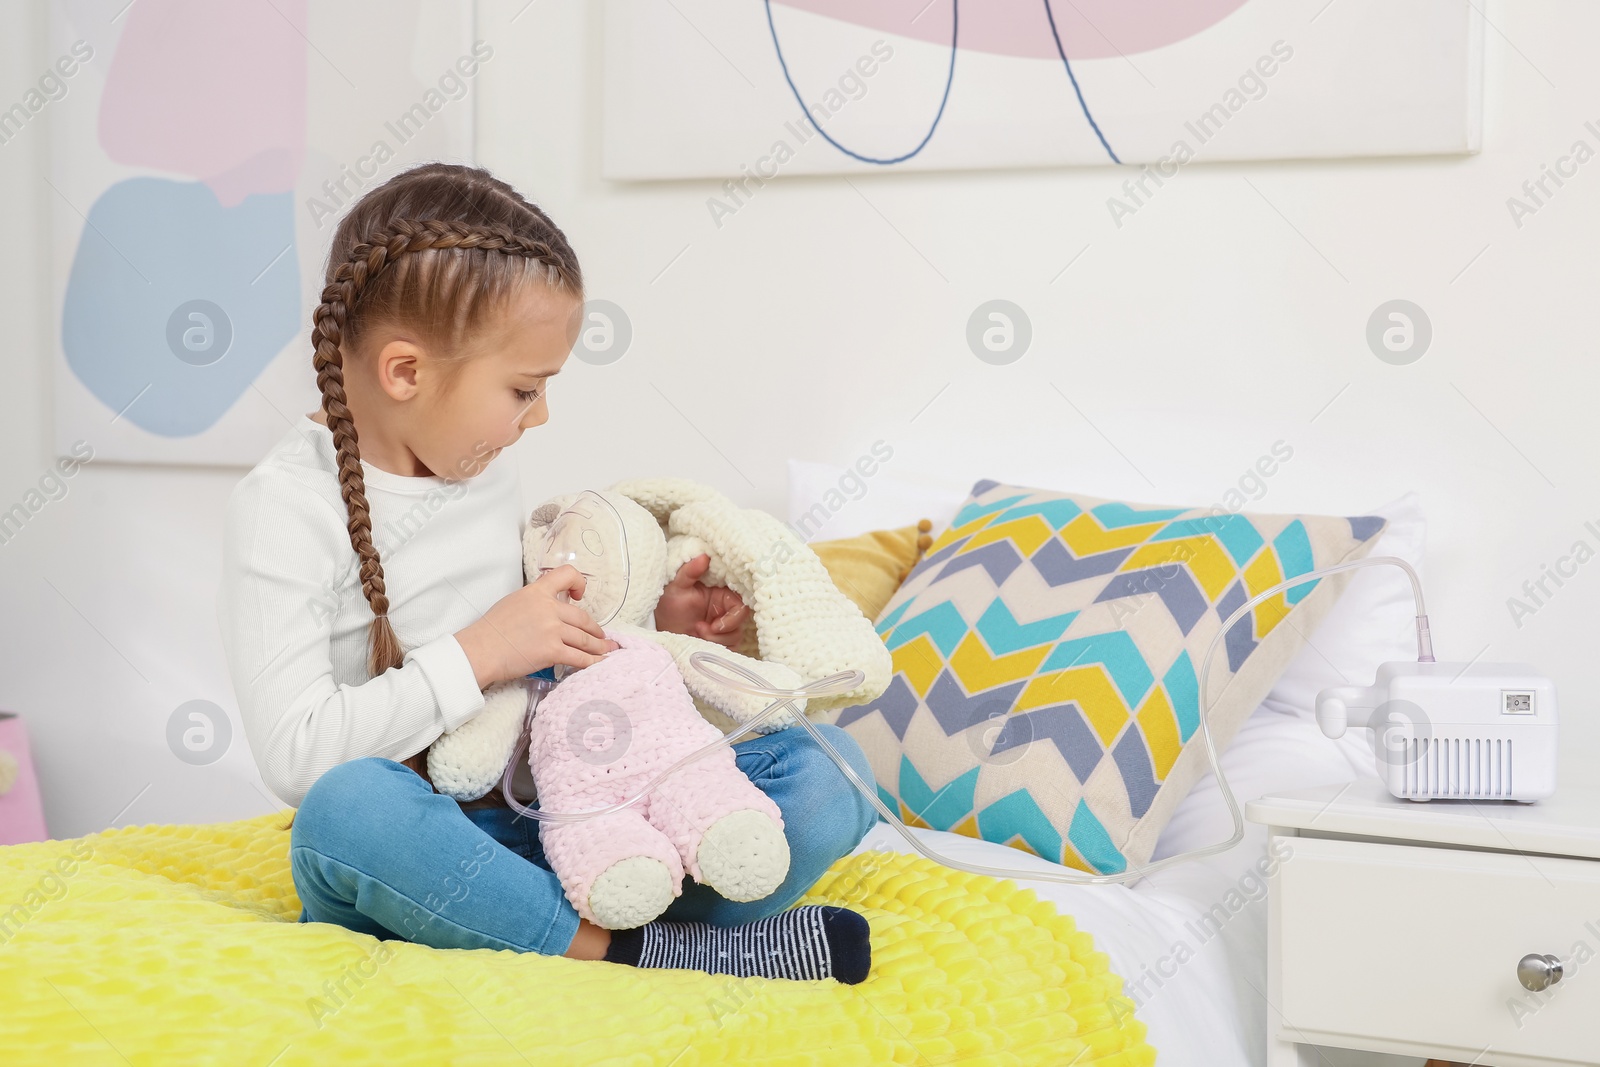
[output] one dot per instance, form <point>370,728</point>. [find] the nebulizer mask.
<point>578,537</point>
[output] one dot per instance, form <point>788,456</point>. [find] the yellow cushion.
<point>177,944</point>
<point>869,568</point>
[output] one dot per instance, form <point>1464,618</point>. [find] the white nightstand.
<point>1396,926</point>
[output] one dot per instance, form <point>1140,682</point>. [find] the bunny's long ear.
<point>662,496</point>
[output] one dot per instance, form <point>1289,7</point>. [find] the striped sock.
<point>810,942</point>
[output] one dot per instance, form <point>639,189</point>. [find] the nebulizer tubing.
<point>846,680</point>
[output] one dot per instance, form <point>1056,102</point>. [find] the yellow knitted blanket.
<point>178,945</point>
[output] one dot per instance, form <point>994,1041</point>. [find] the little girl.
<point>373,587</point>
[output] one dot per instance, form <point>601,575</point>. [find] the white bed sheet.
<point>1201,990</point>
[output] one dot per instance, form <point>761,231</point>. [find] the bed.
<point>169,944</point>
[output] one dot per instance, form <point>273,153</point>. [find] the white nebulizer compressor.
<point>1473,731</point>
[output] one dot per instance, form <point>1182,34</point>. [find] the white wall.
<point>826,315</point>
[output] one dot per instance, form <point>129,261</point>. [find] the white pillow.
<point>1372,623</point>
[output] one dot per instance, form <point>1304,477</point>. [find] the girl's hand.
<point>532,629</point>
<point>711,613</point>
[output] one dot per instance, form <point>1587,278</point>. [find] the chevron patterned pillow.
<point>1047,653</point>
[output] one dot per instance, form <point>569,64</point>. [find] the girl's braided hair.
<point>436,249</point>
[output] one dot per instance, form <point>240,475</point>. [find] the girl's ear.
<point>397,364</point>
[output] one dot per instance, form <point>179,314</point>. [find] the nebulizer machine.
<point>578,535</point>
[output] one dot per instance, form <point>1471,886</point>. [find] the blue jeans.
<point>375,850</point>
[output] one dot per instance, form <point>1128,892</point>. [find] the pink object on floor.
<point>21,811</point>
<point>605,733</point>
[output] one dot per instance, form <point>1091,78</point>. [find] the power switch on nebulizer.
<point>1518,703</point>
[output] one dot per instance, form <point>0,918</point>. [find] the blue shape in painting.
<point>175,304</point>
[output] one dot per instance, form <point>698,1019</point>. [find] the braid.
<point>367,260</point>
<point>326,331</point>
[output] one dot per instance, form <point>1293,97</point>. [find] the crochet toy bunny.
<point>604,734</point>
<point>803,629</point>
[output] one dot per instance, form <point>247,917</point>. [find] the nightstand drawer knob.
<point>1538,971</point>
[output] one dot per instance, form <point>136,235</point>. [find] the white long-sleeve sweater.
<point>294,621</point>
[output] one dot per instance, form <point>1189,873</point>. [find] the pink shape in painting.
<point>215,91</point>
<point>1090,29</point>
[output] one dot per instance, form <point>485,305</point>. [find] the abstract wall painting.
<point>200,156</point>
<point>746,90</point>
